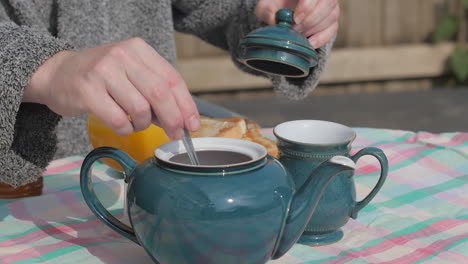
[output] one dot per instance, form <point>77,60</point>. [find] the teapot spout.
<point>307,198</point>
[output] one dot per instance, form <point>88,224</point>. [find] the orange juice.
<point>139,145</point>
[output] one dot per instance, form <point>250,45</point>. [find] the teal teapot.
<point>239,206</point>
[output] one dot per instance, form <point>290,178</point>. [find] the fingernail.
<point>313,42</point>
<point>178,134</point>
<point>299,17</point>
<point>126,131</point>
<point>194,123</point>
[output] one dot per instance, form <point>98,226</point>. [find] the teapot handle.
<point>380,156</point>
<point>90,196</point>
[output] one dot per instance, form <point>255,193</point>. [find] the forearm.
<point>35,90</point>
<point>220,22</point>
<point>22,51</point>
<point>27,139</point>
<point>225,23</point>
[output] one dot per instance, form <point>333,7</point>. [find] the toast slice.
<point>235,127</point>
<point>254,134</point>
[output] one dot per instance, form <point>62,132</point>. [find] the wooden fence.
<point>377,40</point>
<point>367,23</point>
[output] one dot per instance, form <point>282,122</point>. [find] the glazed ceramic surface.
<point>303,145</point>
<point>248,212</point>
<point>279,49</point>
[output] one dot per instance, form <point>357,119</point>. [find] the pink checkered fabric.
<point>419,216</point>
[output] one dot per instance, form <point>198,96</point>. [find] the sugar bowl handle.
<point>90,196</point>
<point>380,156</point>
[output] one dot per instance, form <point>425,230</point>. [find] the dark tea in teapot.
<point>213,157</point>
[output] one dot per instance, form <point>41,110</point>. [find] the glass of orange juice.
<point>139,145</point>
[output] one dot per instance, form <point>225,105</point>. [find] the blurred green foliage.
<point>448,28</point>
<point>459,64</point>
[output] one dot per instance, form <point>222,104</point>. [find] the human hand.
<point>315,19</point>
<point>116,82</point>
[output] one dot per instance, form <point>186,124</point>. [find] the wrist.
<point>37,89</point>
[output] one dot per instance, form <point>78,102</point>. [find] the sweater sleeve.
<point>27,137</point>
<point>224,23</point>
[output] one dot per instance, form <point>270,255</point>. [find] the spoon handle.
<point>189,147</point>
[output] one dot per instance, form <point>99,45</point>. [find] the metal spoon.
<point>189,148</point>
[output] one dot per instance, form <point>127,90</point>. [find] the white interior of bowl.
<point>314,132</point>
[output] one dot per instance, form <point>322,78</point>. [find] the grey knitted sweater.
<point>33,30</point>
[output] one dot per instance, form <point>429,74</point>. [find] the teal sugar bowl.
<point>303,145</point>
<point>279,49</point>
<point>247,212</point>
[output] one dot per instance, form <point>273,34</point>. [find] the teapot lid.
<point>281,44</point>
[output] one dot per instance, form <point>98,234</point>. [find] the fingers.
<point>266,9</point>
<point>304,9</point>
<point>128,97</point>
<point>174,82</point>
<point>320,39</point>
<point>146,88</point>
<point>321,18</point>
<point>101,104</point>
<point>312,17</point>
<point>164,107</point>
<point>127,85</point>
<point>186,105</point>
<point>324,24</point>
<point>158,94</point>
<point>315,11</point>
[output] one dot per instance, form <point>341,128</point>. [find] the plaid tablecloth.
<point>419,216</point>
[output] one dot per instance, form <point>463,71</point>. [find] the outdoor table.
<point>419,216</point>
